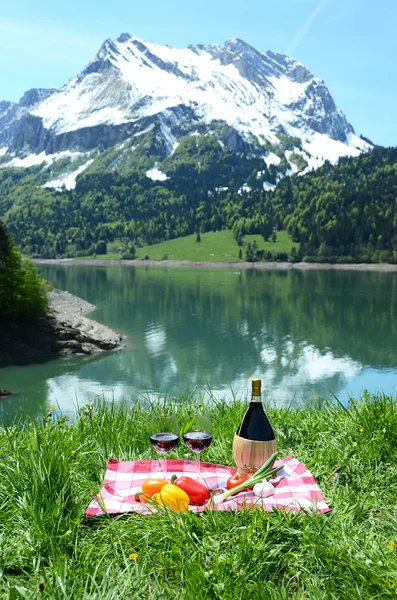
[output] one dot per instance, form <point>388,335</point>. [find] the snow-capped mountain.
<point>247,97</point>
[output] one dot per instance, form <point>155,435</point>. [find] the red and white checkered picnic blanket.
<point>295,486</point>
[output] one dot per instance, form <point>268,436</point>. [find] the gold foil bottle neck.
<point>256,387</point>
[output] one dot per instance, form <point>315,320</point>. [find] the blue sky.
<point>351,44</point>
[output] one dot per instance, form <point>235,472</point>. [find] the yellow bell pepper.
<point>173,497</point>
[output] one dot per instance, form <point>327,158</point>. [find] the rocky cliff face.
<point>260,98</point>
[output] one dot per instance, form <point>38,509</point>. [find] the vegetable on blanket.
<point>237,479</point>
<point>264,489</point>
<point>265,472</point>
<point>151,487</point>
<point>197,492</point>
<point>173,497</point>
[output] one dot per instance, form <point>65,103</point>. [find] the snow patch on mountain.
<point>286,91</point>
<point>244,189</point>
<point>69,180</point>
<point>312,163</point>
<point>268,187</point>
<point>272,159</point>
<point>37,159</point>
<point>78,107</point>
<point>156,175</point>
<point>144,131</point>
<point>322,147</point>
<point>30,160</point>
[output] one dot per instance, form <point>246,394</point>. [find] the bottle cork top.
<point>256,387</point>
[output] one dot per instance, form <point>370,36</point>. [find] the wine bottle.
<point>255,425</point>
<point>254,441</point>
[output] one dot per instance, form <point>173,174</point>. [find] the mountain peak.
<point>236,42</point>
<point>132,85</point>
<point>124,37</point>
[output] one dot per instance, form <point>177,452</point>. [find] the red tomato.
<point>237,479</point>
<point>234,481</point>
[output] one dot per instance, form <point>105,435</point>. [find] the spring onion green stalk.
<point>265,472</point>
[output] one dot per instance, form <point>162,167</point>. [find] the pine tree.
<point>22,290</point>
<point>249,255</point>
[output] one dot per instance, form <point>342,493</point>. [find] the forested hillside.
<point>343,212</point>
<point>119,200</point>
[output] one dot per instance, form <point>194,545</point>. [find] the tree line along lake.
<point>304,333</point>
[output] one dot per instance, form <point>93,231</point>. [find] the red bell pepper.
<point>197,492</point>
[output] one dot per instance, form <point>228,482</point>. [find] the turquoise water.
<point>305,333</point>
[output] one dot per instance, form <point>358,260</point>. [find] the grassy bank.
<point>215,246</point>
<point>49,472</point>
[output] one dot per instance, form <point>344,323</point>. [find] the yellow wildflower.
<point>31,424</point>
<point>52,405</point>
<point>392,545</point>
<point>134,556</point>
<point>361,430</point>
<point>73,451</point>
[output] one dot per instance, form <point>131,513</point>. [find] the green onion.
<point>265,472</point>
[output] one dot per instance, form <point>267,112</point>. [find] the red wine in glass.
<point>164,442</point>
<point>165,437</point>
<point>199,437</point>
<point>197,441</point>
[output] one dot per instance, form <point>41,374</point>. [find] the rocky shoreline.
<point>259,266</point>
<point>64,331</point>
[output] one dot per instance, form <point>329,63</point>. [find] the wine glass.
<point>165,437</point>
<point>199,436</point>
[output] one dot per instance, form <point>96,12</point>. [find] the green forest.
<point>346,212</point>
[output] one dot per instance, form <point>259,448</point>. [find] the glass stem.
<point>198,463</point>
<point>165,468</point>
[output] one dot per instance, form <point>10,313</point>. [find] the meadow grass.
<point>215,246</point>
<point>50,470</point>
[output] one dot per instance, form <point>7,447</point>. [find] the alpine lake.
<point>306,334</point>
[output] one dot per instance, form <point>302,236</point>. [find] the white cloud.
<point>308,373</point>
<point>155,339</point>
<point>268,354</point>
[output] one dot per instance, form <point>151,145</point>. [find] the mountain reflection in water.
<point>305,333</point>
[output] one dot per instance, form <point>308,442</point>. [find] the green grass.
<point>218,246</point>
<point>49,472</point>
<point>283,244</point>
